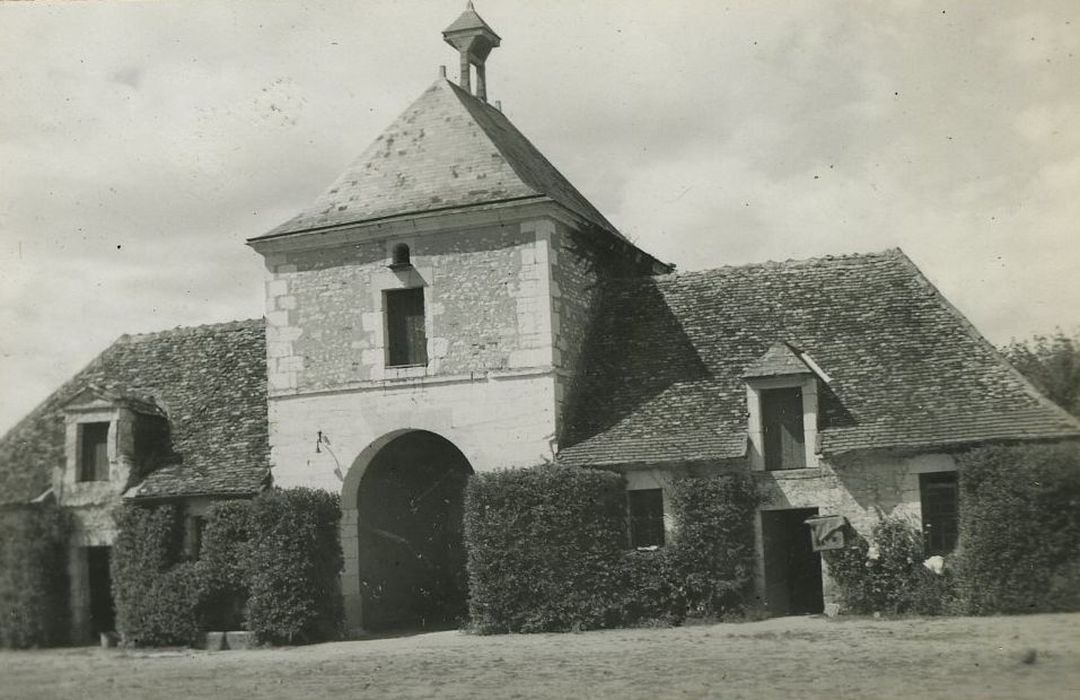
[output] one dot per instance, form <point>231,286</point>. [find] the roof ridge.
<point>885,254</point>
<point>223,326</point>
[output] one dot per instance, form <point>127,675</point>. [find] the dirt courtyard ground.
<point>795,657</point>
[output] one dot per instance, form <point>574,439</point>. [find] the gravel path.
<point>1035,656</point>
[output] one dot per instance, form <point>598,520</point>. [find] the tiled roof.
<point>665,366</point>
<point>449,150</point>
<point>209,380</point>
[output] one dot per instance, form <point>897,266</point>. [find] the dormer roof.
<point>95,396</point>
<point>778,361</point>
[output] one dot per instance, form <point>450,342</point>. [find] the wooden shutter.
<point>782,424</point>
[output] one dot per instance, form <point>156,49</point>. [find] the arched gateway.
<point>402,532</point>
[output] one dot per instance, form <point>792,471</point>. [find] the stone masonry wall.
<point>863,489</point>
<point>486,308</point>
<point>496,422</point>
<point>577,271</point>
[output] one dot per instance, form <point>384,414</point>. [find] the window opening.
<point>939,494</point>
<point>399,259</point>
<point>406,338</point>
<point>646,518</point>
<point>93,452</point>
<point>782,425</point>
<point>193,534</point>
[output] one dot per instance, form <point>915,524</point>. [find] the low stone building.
<point>174,416</point>
<point>453,304</point>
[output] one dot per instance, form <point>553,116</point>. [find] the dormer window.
<point>782,402</point>
<point>399,257</point>
<point>93,452</point>
<point>111,436</point>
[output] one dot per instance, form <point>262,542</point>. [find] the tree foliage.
<point>1052,364</point>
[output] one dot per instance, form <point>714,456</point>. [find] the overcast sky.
<point>142,143</point>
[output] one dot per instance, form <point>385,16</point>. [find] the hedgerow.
<point>33,576</point>
<point>547,551</point>
<point>1020,529</point>
<point>152,607</point>
<point>714,547</point>
<point>224,565</point>
<point>295,593</point>
<point>270,565</point>
<point>544,549</point>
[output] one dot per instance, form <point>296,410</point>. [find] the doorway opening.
<point>792,567</point>
<point>410,506</point>
<point>99,578</point>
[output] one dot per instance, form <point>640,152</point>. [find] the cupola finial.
<point>474,40</point>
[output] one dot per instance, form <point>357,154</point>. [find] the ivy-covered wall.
<point>33,576</point>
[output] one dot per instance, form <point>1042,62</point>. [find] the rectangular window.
<point>782,424</point>
<point>406,342</point>
<point>939,494</point>
<point>93,452</point>
<point>646,518</point>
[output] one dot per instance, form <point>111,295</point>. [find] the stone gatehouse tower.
<point>425,316</point>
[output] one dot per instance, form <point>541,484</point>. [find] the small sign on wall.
<point>826,531</point>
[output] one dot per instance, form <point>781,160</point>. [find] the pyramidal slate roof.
<point>468,20</point>
<point>209,381</point>
<point>665,368</point>
<point>448,150</point>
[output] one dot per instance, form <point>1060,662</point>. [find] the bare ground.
<point>798,657</point>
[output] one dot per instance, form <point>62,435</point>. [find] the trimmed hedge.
<point>224,564</point>
<point>33,576</point>
<point>545,547</point>
<point>547,551</point>
<point>153,606</point>
<point>295,593</point>
<point>270,564</point>
<point>1020,529</point>
<point>714,548</point>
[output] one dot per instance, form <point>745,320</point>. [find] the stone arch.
<point>402,502</point>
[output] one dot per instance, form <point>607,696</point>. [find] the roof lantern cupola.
<point>474,40</point>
